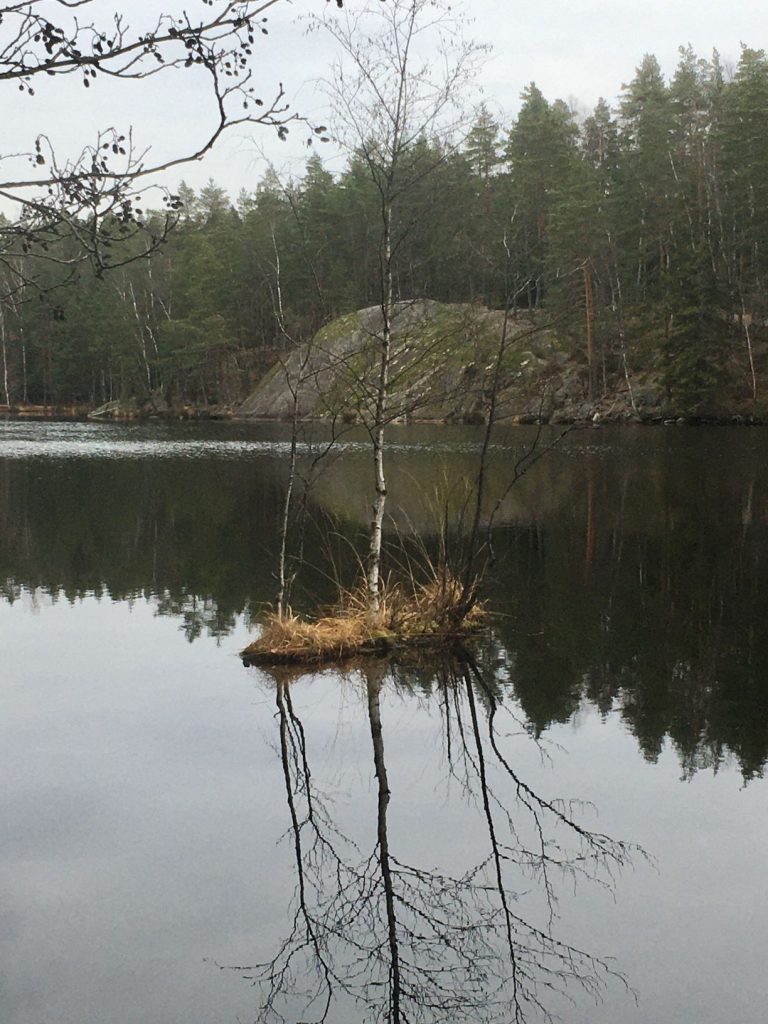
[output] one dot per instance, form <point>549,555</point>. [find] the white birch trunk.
<point>748,337</point>
<point>24,391</point>
<point>377,434</point>
<point>282,575</point>
<point>6,387</point>
<point>140,337</point>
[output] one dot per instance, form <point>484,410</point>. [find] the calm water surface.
<point>160,802</point>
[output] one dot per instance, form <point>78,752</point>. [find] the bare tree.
<point>300,372</point>
<point>403,65</point>
<point>95,195</point>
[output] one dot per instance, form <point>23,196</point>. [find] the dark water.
<point>159,801</point>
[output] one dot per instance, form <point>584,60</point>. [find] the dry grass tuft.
<point>409,613</point>
<point>289,638</point>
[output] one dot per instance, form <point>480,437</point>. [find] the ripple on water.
<point>24,440</point>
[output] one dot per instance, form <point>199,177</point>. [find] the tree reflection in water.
<point>408,944</point>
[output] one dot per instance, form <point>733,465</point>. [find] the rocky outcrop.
<point>445,366</point>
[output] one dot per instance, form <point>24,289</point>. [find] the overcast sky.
<point>577,50</point>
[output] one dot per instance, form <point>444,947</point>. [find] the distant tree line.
<point>643,230</point>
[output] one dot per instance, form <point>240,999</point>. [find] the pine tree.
<point>482,146</point>
<point>540,152</point>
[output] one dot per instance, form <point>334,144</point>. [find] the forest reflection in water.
<point>632,566</point>
<point>144,804</point>
<point>375,933</point>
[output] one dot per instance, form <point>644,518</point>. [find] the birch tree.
<point>401,67</point>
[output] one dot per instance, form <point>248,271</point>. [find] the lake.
<point>573,819</point>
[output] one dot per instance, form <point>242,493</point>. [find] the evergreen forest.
<point>640,230</point>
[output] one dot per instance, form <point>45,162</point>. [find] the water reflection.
<point>669,633</point>
<point>632,567</point>
<point>376,934</point>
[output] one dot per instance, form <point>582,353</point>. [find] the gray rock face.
<point>310,372</point>
<point>443,362</point>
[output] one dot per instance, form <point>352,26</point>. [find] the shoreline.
<point>85,414</point>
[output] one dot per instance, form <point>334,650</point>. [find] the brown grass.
<point>410,613</point>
